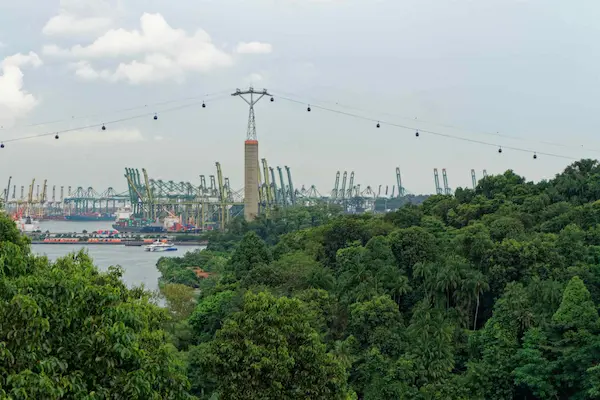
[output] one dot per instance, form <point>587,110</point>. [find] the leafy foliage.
<point>488,294</point>
<point>69,331</point>
<point>180,270</point>
<point>283,359</point>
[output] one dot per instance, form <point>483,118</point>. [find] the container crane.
<point>447,189</point>
<point>401,190</point>
<point>291,185</point>
<point>150,198</point>
<point>7,190</point>
<point>350,186</point>
<point>276,193</point>
<point>268,187</point>
<point>436,178</point>
<point>343,189</point>
<point>334,192</point>
<point>282,190</point>
<point>30,198</point>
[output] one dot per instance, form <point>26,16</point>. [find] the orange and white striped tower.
<point>251,172</point>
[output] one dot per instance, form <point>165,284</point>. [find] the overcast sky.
<point>517,74</point>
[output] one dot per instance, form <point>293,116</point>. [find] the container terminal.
<point>152,206</point>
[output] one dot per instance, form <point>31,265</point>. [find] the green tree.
<point>340,234</point>
<point>576,309</point>
<point>292,272</point>
<point>431,344</point>
<point>180,300</point>
<point>70,331</point>
<point>269,350</point>
<point>210,313</point>
<point>559,362</point>
<point>499,285</point>
<point>405,217</point>
<point>411,246</point>
<point>251,252</point>
<point>377,322</point>
<point>506,228</point>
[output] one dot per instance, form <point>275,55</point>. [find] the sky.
<point>471,76</point>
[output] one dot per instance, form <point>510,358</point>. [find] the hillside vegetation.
<point>488,294</point>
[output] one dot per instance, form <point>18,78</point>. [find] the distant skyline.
<point>520,74</point>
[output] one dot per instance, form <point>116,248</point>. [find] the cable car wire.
<point>122,110</point>
<point>421,131</point>
<point>103,124</point>
<point>465,130</point>
<point>311,105</point>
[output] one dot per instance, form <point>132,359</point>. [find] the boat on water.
<point>89,217</point>
<point>27,224</point>
<point>126,222</point>
<point>138,227</point>
<point>160,246</point>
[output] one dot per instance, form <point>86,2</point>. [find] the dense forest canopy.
<point>68,331</point>
<point>488,294</point>
<point>492,293</point>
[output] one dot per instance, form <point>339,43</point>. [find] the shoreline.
<point>133,244</point>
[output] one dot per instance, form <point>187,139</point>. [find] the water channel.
<point>139,265</point>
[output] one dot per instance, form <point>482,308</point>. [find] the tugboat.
<point>160,246</point>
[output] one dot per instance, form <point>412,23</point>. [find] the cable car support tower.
<point>251,164</point>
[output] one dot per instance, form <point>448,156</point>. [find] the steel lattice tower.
<point>251,172</point>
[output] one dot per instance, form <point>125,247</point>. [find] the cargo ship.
<point>89,217</point>
<point>126,221</point>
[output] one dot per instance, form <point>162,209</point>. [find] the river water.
<point>139,265</point>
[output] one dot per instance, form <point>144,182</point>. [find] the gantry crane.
<point>436,178</point>
<point>336,185</point>
<point>447,189</point>
<point>401,190</point>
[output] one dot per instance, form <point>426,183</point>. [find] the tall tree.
<point>269,350</point>
<point>411,246</point>
<point>250,253</point>
<point>559,361</point>
<point>430,336</point>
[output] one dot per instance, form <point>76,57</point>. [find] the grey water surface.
<point>139,265</point>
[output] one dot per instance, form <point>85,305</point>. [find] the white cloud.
<point>15,102</point>
<point>84,70</point>
<point>67,24</point>
<point>254,48</point>
<point>255,77</point>
<point>81,17</point>
<point>22,60</point>
<point>55,51</point>
<point>156,52</point>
